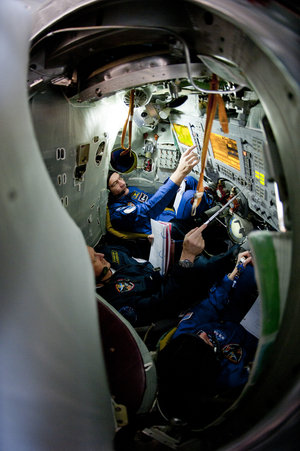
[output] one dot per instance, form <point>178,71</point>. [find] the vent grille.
<point>141,97</point>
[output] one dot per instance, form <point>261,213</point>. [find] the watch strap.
<point>186,263</point>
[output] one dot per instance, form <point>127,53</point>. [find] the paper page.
<point>167,248</point>
<point>179,194</point>
<point>252,321</point>
<point>140,260</point>
<point>160,247</point>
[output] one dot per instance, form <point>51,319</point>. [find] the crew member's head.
<point>188,369</point>
<point>100,265</point>
<point>116,184</point>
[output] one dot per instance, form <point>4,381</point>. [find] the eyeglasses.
<point>116,182</point>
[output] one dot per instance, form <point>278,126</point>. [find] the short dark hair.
<point>187,373</point>
<point>110,173</point>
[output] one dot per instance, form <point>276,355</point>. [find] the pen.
<point>221,209</point>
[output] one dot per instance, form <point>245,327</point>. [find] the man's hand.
<point>150,238</point>
<point>188,160</point>
<point>246,258</point>
<point>193,244</point>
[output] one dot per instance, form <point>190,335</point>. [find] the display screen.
<point>183,134</point>
<point>225,150</point>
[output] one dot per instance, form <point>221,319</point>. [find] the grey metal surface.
<point>60,124</point>
<point>262,42</point>
<point>53,387</point>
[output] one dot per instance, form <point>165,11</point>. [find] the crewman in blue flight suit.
<point>131,208</point>
<point>208,358</point>
<point>142,295</point>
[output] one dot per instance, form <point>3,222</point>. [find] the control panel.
<point>168,157</point>
<point>236,157</point>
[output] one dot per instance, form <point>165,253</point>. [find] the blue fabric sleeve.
<point>218,295</point>
<point>206,311</point>
<point>211,307</point>
<point>128,215</point>
<point>160,200</point>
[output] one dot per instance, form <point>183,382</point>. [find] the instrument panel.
<point>234,165</point>
<point>238,158</point>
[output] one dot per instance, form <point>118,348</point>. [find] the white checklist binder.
<point>161,247</point>
<point>252,320</point>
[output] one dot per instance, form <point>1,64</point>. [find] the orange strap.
<point>222,114</point>
<point>213,101</point>
<point>128,121</point>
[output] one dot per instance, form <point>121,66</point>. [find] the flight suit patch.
<point>129,209</point>
<point>141,197</point>
<point>187,316</point>
<point>219,335</point>
<point>115,257</point>
<point>123,285</point>
<point>232,352</point>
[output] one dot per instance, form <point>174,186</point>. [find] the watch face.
<point>186,263</point>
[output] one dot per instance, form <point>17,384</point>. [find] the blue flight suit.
<point>235,346</point>
<point>142,295</point>
<point>133,212</point>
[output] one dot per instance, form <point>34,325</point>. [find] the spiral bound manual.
<point>161,247</point>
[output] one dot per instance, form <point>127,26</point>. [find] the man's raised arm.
<point>187,161</point>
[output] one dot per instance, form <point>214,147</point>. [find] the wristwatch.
<point>186,263</point>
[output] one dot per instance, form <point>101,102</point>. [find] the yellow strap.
<point>166,338</point>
